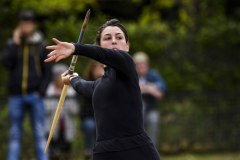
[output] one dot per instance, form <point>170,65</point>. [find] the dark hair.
<point>27,15</point>
<point>88,74</point>
<point>111,22</point>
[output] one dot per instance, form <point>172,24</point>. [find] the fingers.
<point>56,41</point>
<point>51,47</point>
<point>65,78</point>
<point>50,59</point>
<point>59,58</point>
<point>64,73</point>
<point>58,51</point>
<point>51,54</point>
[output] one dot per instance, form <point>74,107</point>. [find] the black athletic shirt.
<point>116,99</point>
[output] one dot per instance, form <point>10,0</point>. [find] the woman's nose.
<point>114,41</point>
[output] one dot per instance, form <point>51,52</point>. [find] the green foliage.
<point>199,123</point>
<point>215,156</point>
<point>49,7</point>
<point>193,44</point>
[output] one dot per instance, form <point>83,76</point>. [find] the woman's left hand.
<point>60,51</point>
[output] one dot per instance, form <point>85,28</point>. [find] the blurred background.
<point>194,44</point>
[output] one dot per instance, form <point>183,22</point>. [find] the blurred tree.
<point>123,9</point>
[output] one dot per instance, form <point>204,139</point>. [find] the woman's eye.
<point>119,38</point>
<point>106,38</point>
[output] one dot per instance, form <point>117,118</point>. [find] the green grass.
<point>215,156</point>
<point>186,156</point>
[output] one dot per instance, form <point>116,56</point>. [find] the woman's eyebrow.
<point>118,34</point>
<point>109,34</point>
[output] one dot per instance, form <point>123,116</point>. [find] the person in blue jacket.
<point>116,96</point>
<point>153,89</point>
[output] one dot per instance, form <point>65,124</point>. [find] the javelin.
<point>65,87</point>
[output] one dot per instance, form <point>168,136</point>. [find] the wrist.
<point>73,47</point>
<point>72,76</point>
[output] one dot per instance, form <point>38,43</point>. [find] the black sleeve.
<point>83,87</point>
<point>46,71</point>
<point>117,59</point>
<point>10,55</point>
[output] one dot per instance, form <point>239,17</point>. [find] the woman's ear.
<point>128,46</point>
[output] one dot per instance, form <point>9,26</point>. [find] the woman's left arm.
<point>117,59</point>
<point>83,87</point>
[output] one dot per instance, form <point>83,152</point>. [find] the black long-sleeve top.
<point>116,99</point>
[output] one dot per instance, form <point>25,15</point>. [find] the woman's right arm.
<point>82,87</point>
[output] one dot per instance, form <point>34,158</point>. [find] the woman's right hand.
<point>59,51</point>
<point>66,77</point>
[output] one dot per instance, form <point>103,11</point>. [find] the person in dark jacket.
<point>116,96</point>
<point>29,77</point>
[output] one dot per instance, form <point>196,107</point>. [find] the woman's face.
<point>113,37</point>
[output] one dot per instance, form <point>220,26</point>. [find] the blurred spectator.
<point>153,88</point>
<point>93,72</point>
<point>65,131</point>
<point>29,78</point>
